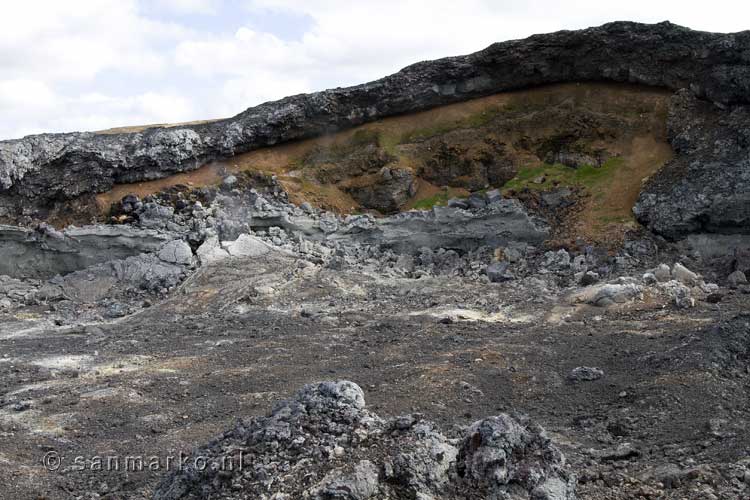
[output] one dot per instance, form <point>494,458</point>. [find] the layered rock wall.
<point>37,171</point>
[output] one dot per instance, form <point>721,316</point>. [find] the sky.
<point>93,64</point>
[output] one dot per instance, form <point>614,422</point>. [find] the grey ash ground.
<point>423,334</point>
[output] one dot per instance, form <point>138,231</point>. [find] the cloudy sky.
<point>93,64</point>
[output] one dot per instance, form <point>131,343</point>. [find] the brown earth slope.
<point>601,140</point>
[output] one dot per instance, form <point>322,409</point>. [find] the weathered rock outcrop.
<point>39,170</point>
<point>45,252</point>
<point>496,225</point>
<point>387,192</point>
<point>324,444</point>
<point>706,187</point>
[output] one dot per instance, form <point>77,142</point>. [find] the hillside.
<point>502,141</point>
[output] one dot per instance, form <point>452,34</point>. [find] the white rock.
<point>229,181</point>
<point>210,251</point>
<point>247,246</point>
<point>684,275</point>
<point>513,254</point>
<point>606,294</point>
<point>176,252</point>
<point>557,260</point>
<point>662,273</point>
<point>579,264</point>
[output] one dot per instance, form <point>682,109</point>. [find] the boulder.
<point>229,181</point>
<point>176,252</point>
<point>493,196</point>
<point>662,273</point>
<point>477,201</point>
<point>513,253</point>
<point>324,444</point>
<point>606,294</point>
<point>589,278</point>
<point>557,261</point>
<point>458,203</point>
<point>684,275</point>
<point>359,484</point>
<point>579,264</point>
<point>499,457</point>
<point>498,272</point>
<point>585,374</point>
<point>211,251</point>
<point>736,279</point>
<point>247,246</point>
<point>679,294</point>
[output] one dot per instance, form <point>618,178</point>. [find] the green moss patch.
<point>438,200</point>
<point>546,176</point>
<point>476,120</point>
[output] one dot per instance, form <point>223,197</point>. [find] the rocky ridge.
<point>38,171</point>
<point>324,444</point>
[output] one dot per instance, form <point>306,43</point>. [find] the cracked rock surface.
<point>706,188</point>
<point>325,444</point>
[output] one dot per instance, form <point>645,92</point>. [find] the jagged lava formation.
<point>300,445</point>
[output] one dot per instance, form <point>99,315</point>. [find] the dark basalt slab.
<point>706,187</point>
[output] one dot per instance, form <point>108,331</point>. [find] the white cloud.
<point>241,54</point>
<point>30,107</point>
<point>76,40</point>
<point>89,64</point>
<point>258,88</point>
<point>27,94</point>
<point>189,6</point>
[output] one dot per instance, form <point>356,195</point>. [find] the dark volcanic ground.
<point>230,298</point>
<point>669,418</point>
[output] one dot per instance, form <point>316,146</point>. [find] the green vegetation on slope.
<point>438,200</point>
<point>546,176</point>
<point>474,120</point>
<point>602,184</point>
